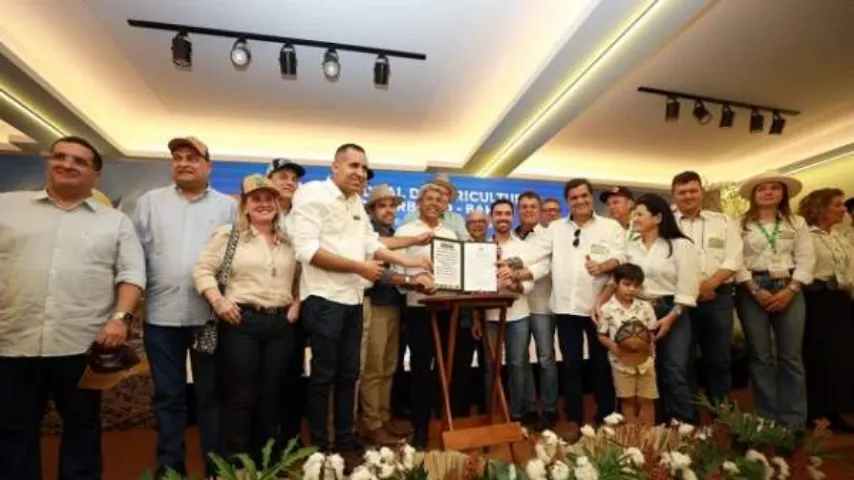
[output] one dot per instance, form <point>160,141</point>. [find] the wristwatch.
<point>794,287</point>
<point>123,317</point>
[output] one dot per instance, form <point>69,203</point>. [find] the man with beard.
<point>620,203</point>
<point>174,225</point>
<point>721,255</point>
<point>542,322</point>
<point>332,237</point>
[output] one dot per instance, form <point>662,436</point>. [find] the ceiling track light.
<point>703,115</point>
<point>182,51</point>
<point>727,117</point>
<point>382,70</point>
<point>288,60</point>
<point>331,65</point>
<point>757,121</point>
<point>778,123</point>
<point>240,54</point>
<point>671,109</point>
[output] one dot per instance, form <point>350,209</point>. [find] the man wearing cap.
<point>71,271</point>
<point>285,175</point>
<point>174,224</point>
<point>380,341</point>
<point>450,218</point>
<point>332,236</point>
<point>721,255</point>
<point>620,203</point>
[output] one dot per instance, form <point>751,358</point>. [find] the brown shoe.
<point>398,428</point>
<point>352,459</point>
<point>381,436</point>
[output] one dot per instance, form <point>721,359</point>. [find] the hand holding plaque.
<point>464,266</point>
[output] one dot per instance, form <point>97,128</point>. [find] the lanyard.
<point>771,237</point>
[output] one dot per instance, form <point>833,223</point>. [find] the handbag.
<point>206,337</point>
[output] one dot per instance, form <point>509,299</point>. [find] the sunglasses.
<point>576,238</point>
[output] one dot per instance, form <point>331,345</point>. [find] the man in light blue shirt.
<point>450,219</point>
<point>174,223</point>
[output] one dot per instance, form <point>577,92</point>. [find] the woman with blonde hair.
<point>256,312</point>
<point>778,261</point>
<point>828,330</point>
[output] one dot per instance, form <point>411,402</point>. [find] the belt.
<point>272,311</point>
<point>818,285</point>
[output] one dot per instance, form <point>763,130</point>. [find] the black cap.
<point>285,164</point>
<point>622,191</point>
<point>849,204</point>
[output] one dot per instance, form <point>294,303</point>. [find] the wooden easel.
<point>500,430</point>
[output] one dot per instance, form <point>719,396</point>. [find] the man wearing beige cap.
<point>174,224</point>
<point>450,219</point>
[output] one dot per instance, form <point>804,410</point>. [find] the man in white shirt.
<point>620,203</point>
<point>418,329</point>
<point>450,218</point>
<point>71,273</point>
<point>518,332</point>
<point>542,322</point>
<point>174,223</point>
<point>581,250</point>
<point>719,243</point>
<point>550,211</point>
<point>332,236</point>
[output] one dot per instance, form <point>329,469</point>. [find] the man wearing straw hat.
<point>450,219</point>
<point>380,339</point>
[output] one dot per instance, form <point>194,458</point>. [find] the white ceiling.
<point>794,54</point>
<point>11,139</point>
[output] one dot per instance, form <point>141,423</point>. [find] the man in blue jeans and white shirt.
<point>174,223</point>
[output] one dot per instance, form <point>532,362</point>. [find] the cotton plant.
<point>386,464</point>
<point>323,467</point>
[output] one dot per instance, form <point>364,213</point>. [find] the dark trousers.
<point>26,384</point>
<point>252,357</point>
<point>293,395</point>
<point>166,349</point>
<point>673,364</point>
<point>335,335</point>
<point>464,348</point>
<point>711,328</point>
<point>571,330</point>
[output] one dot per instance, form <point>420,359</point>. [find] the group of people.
<point>651,289</point>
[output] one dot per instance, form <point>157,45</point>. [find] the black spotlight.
<point>288,60</point>
<point>757,121</point>
<point>381,71</point>
<point>701,113</point>
<point>778,123</point>
<point>727,117</point>
<point>671,110</point>
<point>240,55</point>
<point>182,51</point>
<point>331,66</point>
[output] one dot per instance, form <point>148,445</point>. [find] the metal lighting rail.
<point>719,101</point>
<point>567,89</point>
<point>216,32</point>
<point>31,114</point>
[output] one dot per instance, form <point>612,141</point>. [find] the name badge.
<point>598,249</point>
<point>715,242</point>
<point>778,267</point>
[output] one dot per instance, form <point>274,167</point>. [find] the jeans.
<point>292,400</point>
<point>166,349</point>
<point>516,338</point>
<point>711,327</point>
<point>673,366</point>
<point>778,381</point>
<point>543,331</point>
<point>26,384</point>
<point>335,334</point>
<point>571,330</point>
<point>253,357</point>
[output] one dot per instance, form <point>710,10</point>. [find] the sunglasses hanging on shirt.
<point>577,237</point>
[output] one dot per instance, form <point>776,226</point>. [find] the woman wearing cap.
<point>828,329</point>
<point>778,260</point>
<point>257,312</point>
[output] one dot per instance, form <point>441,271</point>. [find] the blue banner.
<point>474,192</point>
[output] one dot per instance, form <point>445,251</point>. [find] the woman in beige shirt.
<point>257,312</point>
<point>828,330</point>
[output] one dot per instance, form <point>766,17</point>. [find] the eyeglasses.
<point>577,237</point>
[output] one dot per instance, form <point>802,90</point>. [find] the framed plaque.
<point>460,266</point>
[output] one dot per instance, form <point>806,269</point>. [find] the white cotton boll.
<point>582,461</point>
<point>362,473</point>
<point>614,419</point>
<point>337,463</point>
<point>372,457</point>
<point>731,468</point>
<point>756,456</point>
<point>680,460</point>
<point>511,472</point>
<point>386,471</point>
<point>311,470</point>
<point>559,471</point>
<point>587,472</point>
<point>386,454</point>
<point>674,422</point>
<point>686,429</point>
<point>542,452</point>
<point>815,474</point>
<point>816,461</point>
<point>535,469</point>
<point>688,474</point>
<point>408,457</point>
<point>588,431</point>
<point>549,437</point>
<point>634,456</point>
<point>609,431</point>
<point>782,467</point>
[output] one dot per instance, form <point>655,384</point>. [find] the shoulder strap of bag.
<point>225,269</point>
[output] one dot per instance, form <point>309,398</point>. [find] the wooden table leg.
<point>452,343</point>
<point>440,366</point>
<point>497,402</point>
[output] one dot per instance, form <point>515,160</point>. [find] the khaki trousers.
<point>380,347</point>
